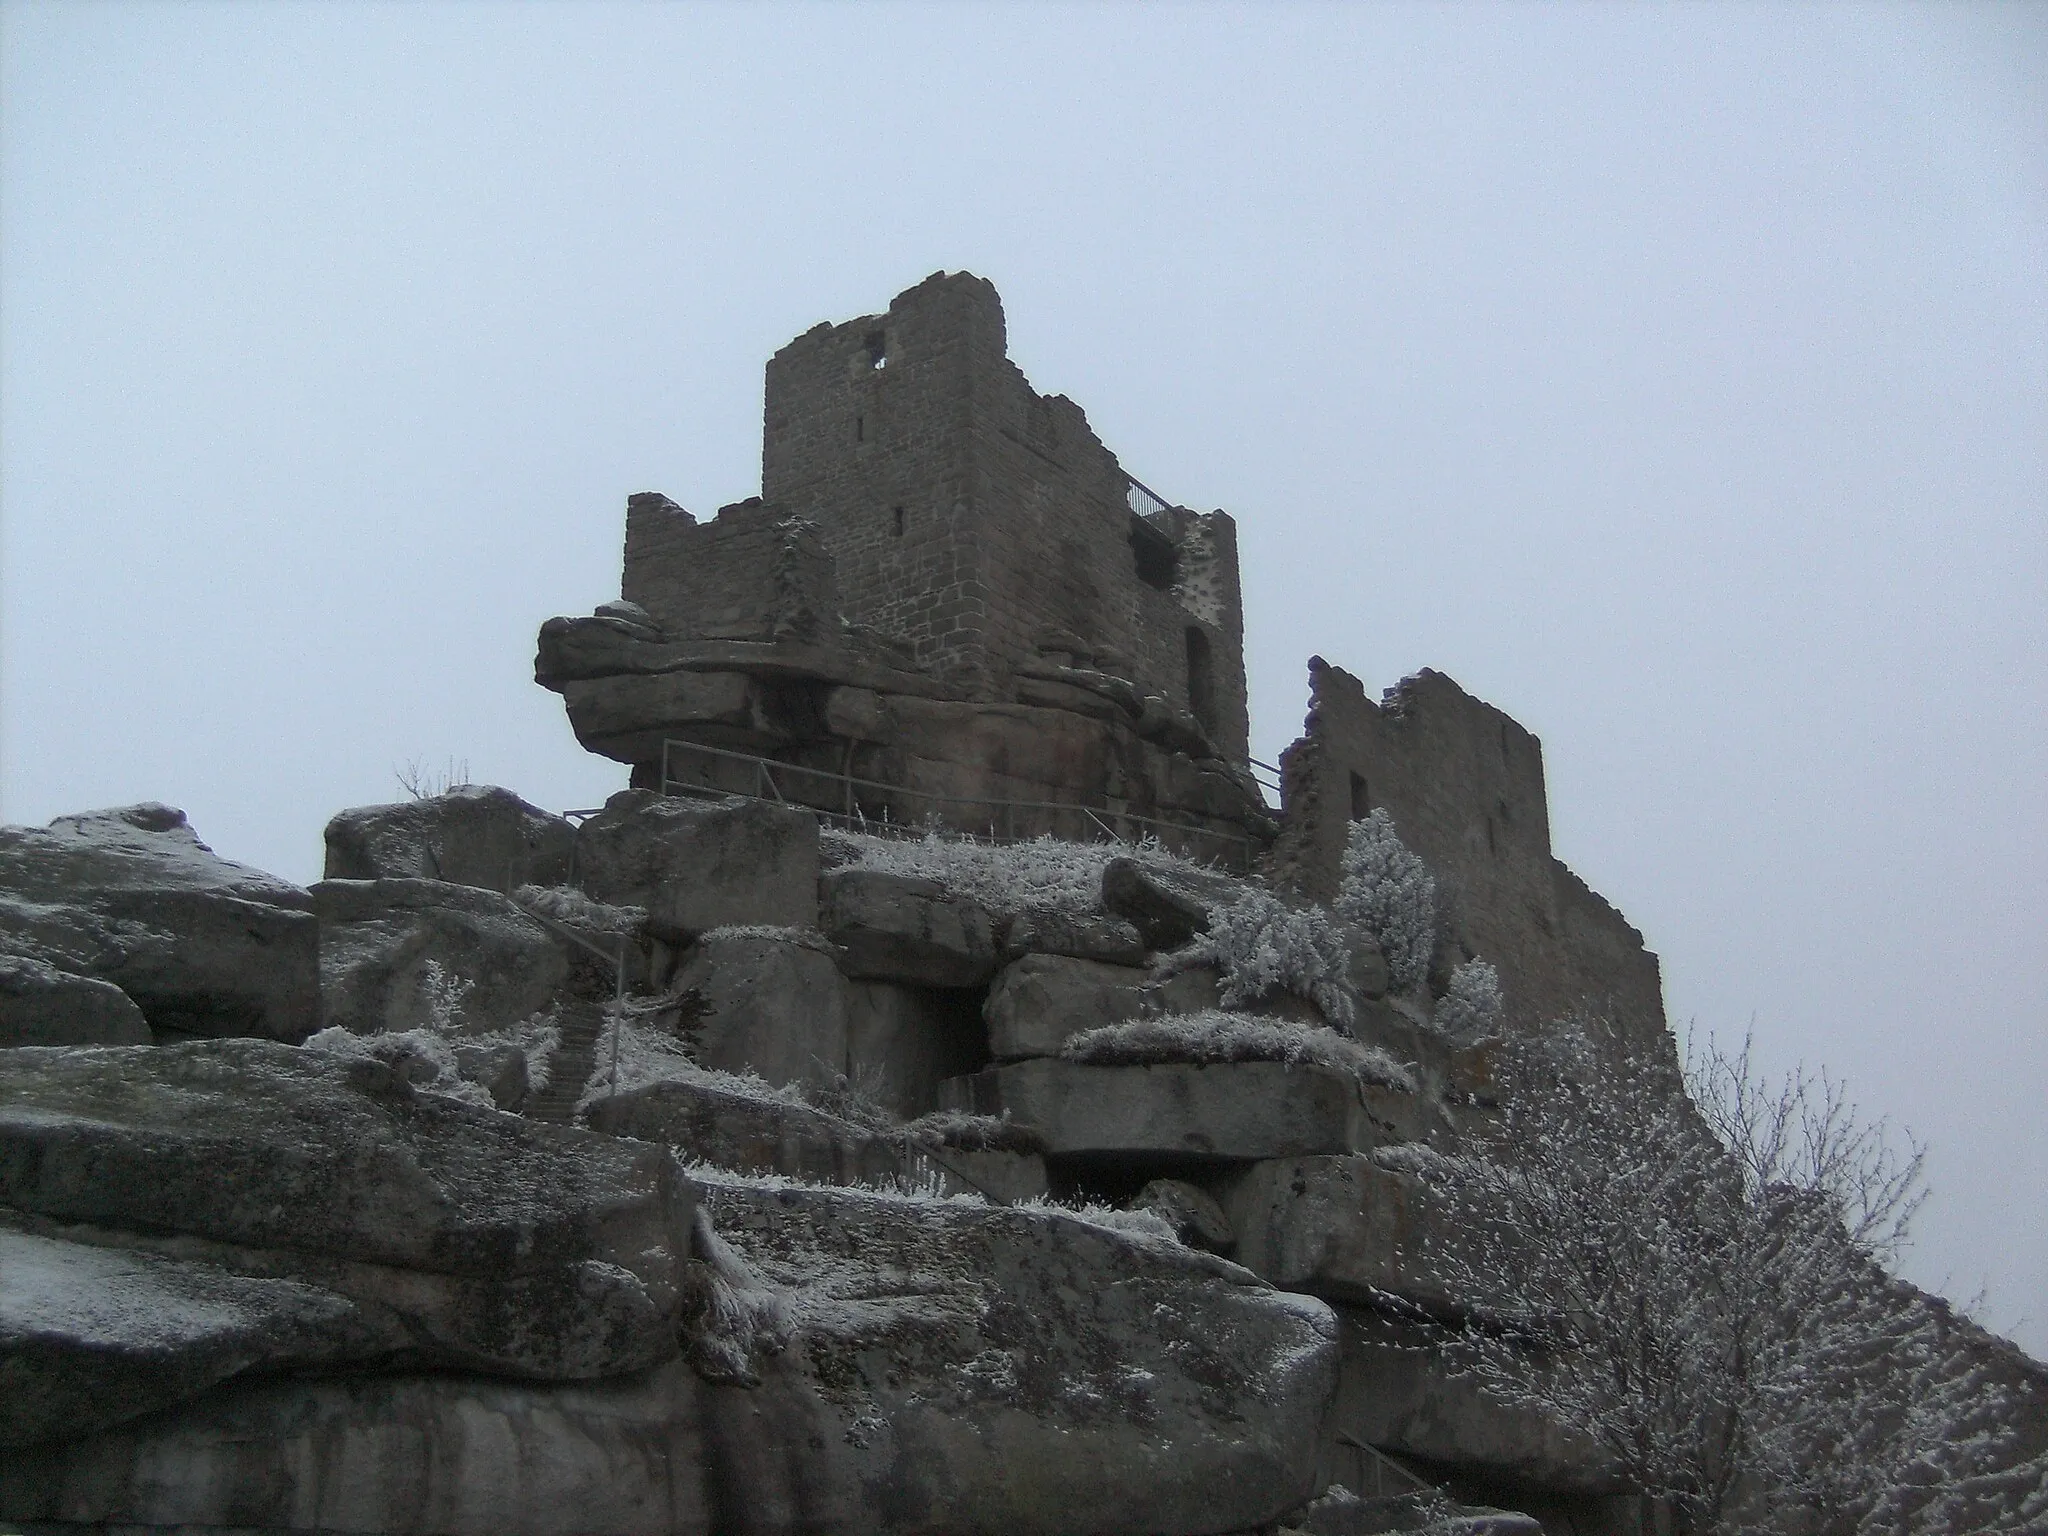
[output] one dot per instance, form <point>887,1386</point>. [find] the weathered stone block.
<point>1193,1213</point>
<point>1004,1177</point>
<point>628,716</point>
<point>1040,1000</point>
<point>381,1220</point>
<point>748,1134</point>
<point>403,954</point>
<point>475,834</point>
<point>696,865</point>
<point>1090,936</point>
<point>201,945</point>
<point>1167,906</point>
<point>896,928</point>
<point>903,1041</point>
<point>1396,1390</point>
<point>1240,1110</point>
<point>1346,1229</point>
<point>764,1003</point>
<point>41,1005</point>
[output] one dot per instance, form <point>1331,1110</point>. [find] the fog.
<point>1676,379</point>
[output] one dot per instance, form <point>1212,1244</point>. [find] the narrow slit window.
<point>878,349</point>
<point>896,515</point>
<point>860,429</point>
<point>1361,798</point>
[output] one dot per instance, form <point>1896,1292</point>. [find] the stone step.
<point>581,1023</point>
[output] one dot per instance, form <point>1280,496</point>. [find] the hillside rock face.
<point>474,834</point>
<point>131,897</point>
<point>184,1224</point>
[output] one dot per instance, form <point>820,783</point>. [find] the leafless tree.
<point>1696,1285</point>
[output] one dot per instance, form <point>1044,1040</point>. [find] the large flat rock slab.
<point>1238,1110</point>
<point>475,834</point>
<point>747,1132</point>
<point>953,1368</point>
<point>131,896</point>
<point>486,1240</point>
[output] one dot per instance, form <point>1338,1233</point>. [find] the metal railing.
<point>1374,1474</point>
<point>1143,500</point>
<point>868,805</point>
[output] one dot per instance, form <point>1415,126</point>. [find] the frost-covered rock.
<point>1191,1211</point>
<point>947,1365</point>
<point>1093,936</point>
<point>1040,1001</point>
<point>412,954</point>
<point>131,896</point>
<point>901,928</point>
<point>695,865</point>
<point>41,1005</point>
<point>435,1230</point>
<point>475,834</point>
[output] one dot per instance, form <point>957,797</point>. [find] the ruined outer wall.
<point>1464,785</point>
<point>750,573</point>
<point>972,516</point>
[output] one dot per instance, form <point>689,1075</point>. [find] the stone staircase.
<point>581,1022</point>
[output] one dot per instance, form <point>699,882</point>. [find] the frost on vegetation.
<point>646,1054</point>
<point>971,1133</point>
<point>1214,1036</point>
<point>1046,874</point>
<point>810,938</point>
<point>445,998</point>
<point>1260,945</point>
<point>734,1316</point>
<point>420,1056</point>
<point>1471,1008</point>
<point>1147,1224</point>
<point>566,904</point>
<point>1386,890</point>
<point>1418,1159</point>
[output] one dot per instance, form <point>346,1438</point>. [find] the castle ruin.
<point>952,603</point>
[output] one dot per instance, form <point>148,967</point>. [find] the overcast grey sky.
<point>1674,378</point>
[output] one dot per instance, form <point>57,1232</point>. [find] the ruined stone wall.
<point>1464,785</point>
<point>979,520</point>
<point>750,573</point>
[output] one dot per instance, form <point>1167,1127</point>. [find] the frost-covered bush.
<point>1471,1008</point>
<point>445,998</point>
<point>1386,890</point>
<point>1146,1225</point>
<point>971,1133</point>
<point>1046,874</point>
<point>1260,946</point>
<point>1214,1036</point>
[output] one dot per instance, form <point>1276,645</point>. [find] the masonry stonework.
<point>1464,785</point>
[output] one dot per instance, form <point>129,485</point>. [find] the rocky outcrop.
<point>1241,1111</point>
<point>695,865</point>
<point>483,1321</point>
<point>1041,1000</point>
<point>898,928</point>
<point>1167,906</point>
<point>475,834</point>
<point>132,897</point>
<point>767,1001</point>
<point>41,1005</point>
<point>398,954</point>
<point>200,1211</point>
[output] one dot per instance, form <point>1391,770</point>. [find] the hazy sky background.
<point>1676,379</point>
